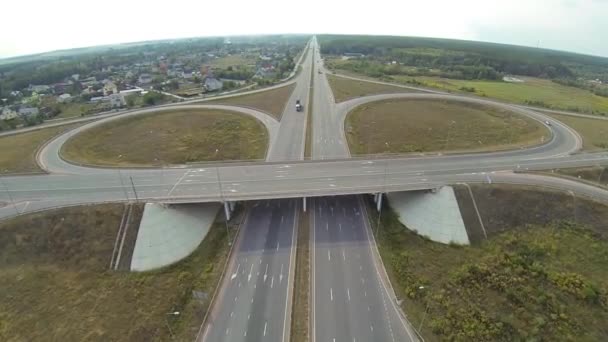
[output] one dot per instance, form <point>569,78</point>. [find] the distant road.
<point>254,303</point>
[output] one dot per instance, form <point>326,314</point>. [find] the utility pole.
<point>380,198</point>
<point>134,191</point>
<point>219,186</point>
<point>124,189</point>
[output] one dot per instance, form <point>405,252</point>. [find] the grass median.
<point>345,89</point>
<point>18,151</point>
<point>301,302</point>
<point>270,101</point>
<point>404,126</point>
<point>56,284</point>
<point>540,275</point>
<point>172,137</point>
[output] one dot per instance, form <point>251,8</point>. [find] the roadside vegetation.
<point>56,284</point>
<point>271,101</point>
<point>300,317</point>
<point>172,137</point>
<point>541,274</point>
<point>595,175</point>
<point>483,69</point>
<point>531,91</point>
<point>18,151</point>
<point>593,131</point>
<point>345,89</point>
<point>404,126</point>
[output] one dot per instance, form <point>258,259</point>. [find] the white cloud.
<point>49,25</point>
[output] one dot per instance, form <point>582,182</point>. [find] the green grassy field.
<point>403,126</point>
<point>18,152</point>
<point>533,91</point>
<point>56,285</point>
<point>593,131</point>
<point>345,89</point>
<point>69,110</point>
<point>174,137</point>
<point>232,60</point>
<point>526,282</point>
<point>271,101</point>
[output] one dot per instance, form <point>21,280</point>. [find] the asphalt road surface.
<point>253,303</point>
<point>350,300</point>
<point>289,144</point>
<point>327,141</point>
<point>248,303</point>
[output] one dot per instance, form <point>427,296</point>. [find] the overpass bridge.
<point>267,180</point>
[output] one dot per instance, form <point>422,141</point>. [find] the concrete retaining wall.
<point>435,215</point>
<point>169,233</point>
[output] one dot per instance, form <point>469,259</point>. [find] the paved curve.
<point>50,160</point>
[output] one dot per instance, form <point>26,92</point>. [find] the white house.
<point>117,100</point>
<point>212,84</point>
<point>64,98</point>
<point>144,79</point>
<point>28,111</point>
<point>8,114</point>
<point>109,88</point>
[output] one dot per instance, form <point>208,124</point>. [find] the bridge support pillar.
<point>379,202</point>
<point>227,210</point>
<point>304,203</point>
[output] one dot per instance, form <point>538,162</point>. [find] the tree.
<point>153,98</point>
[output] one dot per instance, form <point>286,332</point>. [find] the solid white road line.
<point>176,184</point>
<point>236,272</point>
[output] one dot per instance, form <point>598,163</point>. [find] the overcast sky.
<point>40,25</point>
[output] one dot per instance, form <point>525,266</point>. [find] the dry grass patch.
<point>345,89</point>
<point>540,275</point>
<point>271,101</point>
<point>56,285</point>
<point>18,151</point>
<point>402,126</point>
<point>301,308</point>
<point>172,137</point>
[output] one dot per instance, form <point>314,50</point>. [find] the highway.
<point>352,299</point>
<point>254,303</point>
<point>289,144</point>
